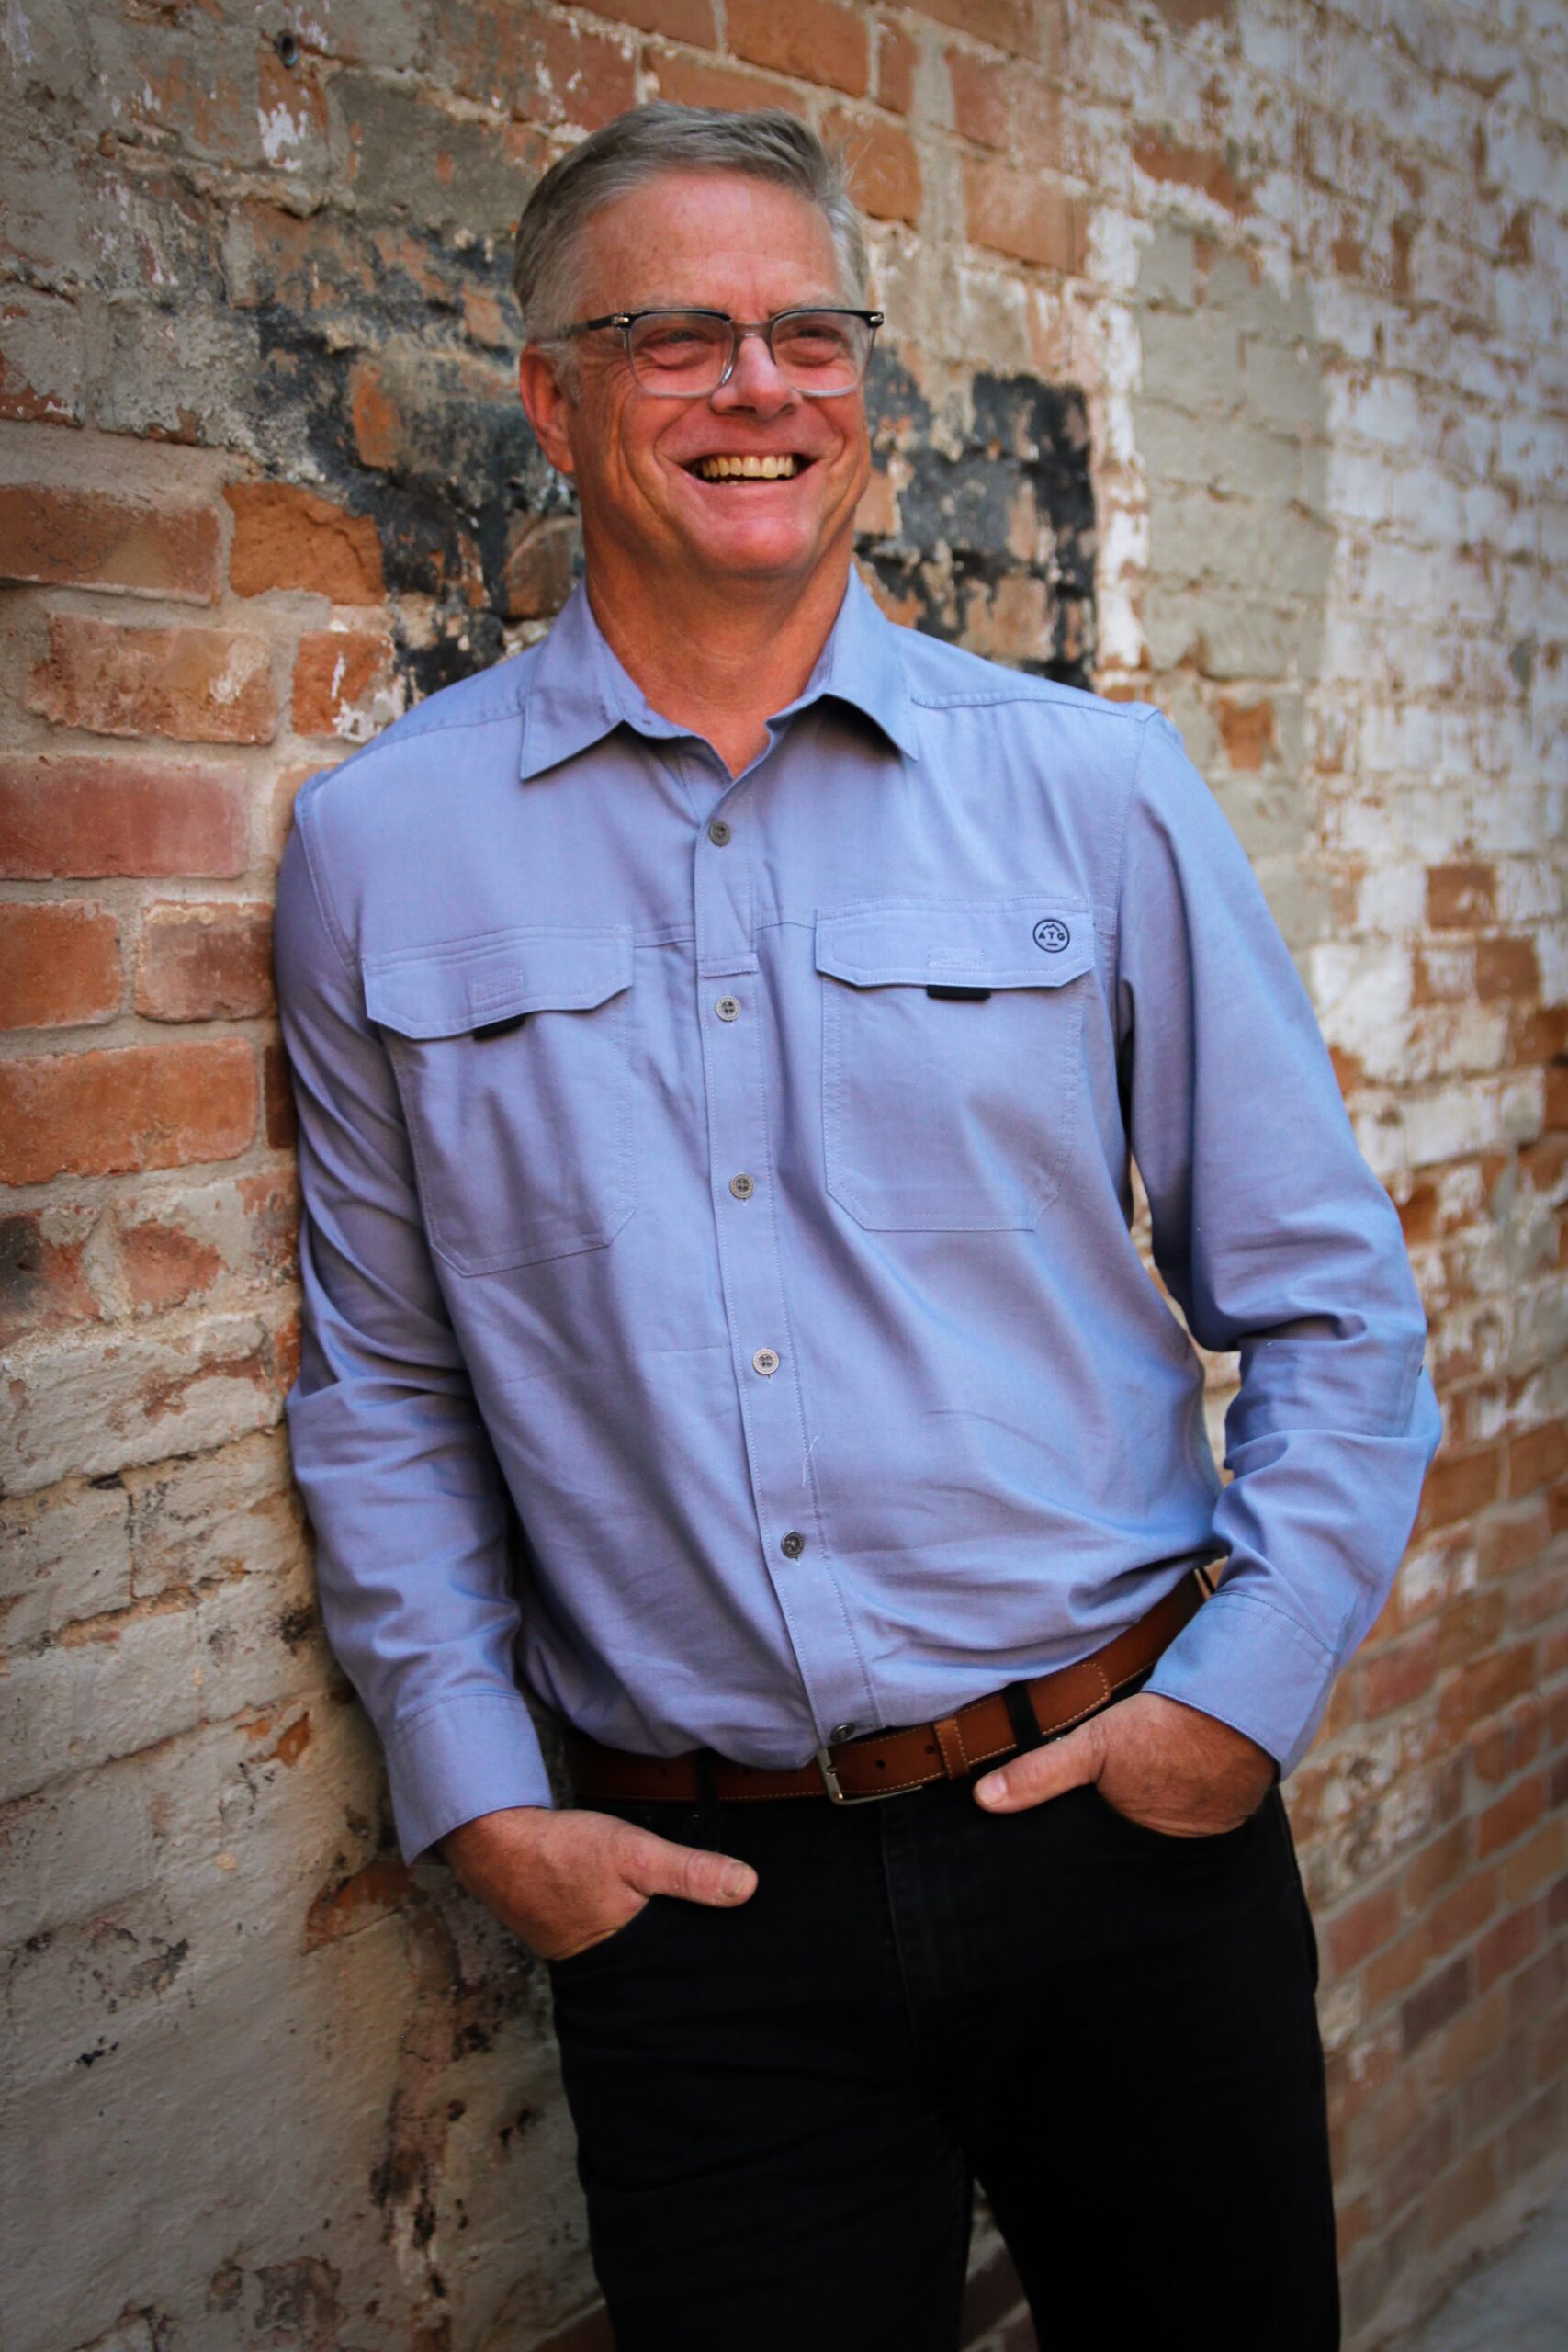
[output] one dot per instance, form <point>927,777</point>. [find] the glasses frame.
<point>625,320</point>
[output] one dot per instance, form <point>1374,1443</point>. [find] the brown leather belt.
<point>887,1763</point>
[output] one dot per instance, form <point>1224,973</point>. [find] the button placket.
<point>740,1148</point>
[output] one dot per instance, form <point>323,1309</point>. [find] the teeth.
<point>747,469</point>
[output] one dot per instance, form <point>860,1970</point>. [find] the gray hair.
<point>640,145</point>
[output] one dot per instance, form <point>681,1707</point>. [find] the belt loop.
<point>705,1766</point>
<point>1025,1724</point>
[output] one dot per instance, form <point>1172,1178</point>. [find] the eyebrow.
<point>677,302</point>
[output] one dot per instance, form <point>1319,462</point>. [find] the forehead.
<point>711,239</point>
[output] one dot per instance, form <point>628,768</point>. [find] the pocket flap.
<point>443,991</point>
<point>1021,944</point>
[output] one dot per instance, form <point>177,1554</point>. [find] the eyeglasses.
<point>685,354</point>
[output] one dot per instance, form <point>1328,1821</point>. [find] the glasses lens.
<point>821,352</point>
<point>679,352</point>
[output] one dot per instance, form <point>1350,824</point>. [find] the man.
<point>721,1036</point>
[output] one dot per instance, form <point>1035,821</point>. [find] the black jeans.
<point>780,2109</point>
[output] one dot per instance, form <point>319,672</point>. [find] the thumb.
<point>656,1866</point>
<point>1069,1762</point>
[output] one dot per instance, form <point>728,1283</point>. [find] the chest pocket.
<point>514,1063</point>
<point>950,1053</point>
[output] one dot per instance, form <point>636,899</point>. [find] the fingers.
<point>1062,1764</point>
<point>656,1866</point>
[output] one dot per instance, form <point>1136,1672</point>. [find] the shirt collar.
<point>580,693</point>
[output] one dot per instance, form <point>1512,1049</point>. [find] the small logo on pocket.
<point>1052,935</point>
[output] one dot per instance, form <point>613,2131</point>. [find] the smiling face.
<point>753,482</point>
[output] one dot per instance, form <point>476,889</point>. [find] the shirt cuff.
<point>459,1757</point>
<point>1248,1665</point>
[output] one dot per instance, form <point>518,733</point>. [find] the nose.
<point>754,381</point>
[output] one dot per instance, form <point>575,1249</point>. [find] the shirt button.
<point>843,1731</point>
<point>719,832</point>
<point>793,1546</point>
<point>766,1361</point>
<point>727,1008</point>
<point>742,1187</point>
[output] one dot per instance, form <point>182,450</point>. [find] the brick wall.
<point>1225,364</point>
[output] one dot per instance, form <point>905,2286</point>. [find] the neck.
<point>717,657</point>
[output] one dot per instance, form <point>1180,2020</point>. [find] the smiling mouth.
<point>749,468</point>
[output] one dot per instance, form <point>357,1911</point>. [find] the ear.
<point>547,407</point>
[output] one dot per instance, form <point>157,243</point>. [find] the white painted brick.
<point>61,1557</point>
<point>95,1406</point>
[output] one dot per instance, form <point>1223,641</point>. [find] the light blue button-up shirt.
<point>721,1314</point>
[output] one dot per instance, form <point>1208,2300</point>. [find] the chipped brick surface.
<point>1222,366</point>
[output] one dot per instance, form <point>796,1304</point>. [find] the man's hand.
<point>563,1881</point>
<point>1162,1764</point>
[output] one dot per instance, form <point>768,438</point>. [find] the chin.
<point>760,548</point>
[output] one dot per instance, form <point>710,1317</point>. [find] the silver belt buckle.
<point>837,1791</point>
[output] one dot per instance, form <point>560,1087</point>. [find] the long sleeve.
<point>1277,1240</point>
<point>410,1515</point>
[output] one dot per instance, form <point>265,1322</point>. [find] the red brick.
<point>1497,2089</point>
<point>1246,729</point>
<point>1537,1456</point>
<point>58,965</point>
<point>1459,1485</point>
<point>1515,1537</point>
<point>1463,2194</point>
<point>287,538</point>
<point>884,169</point>
<point>1537,1992</point>
<point>1539,2135</point>
<point>812,40</point>
<point>352,1902</point>
<point>1460,1913</point>
<point>999,103</point>
<point>1393,1677</point>
<point>204,963</point>
<point>1175,165</point>
<point>86,538</point>
<point>897,59</point>
<point>1005,24</point>
<point>1529,1869</point>
<point>1505,1747</point>
<point>1467,2044</point>
<point>1509,1818</point>
<point>1419,2161</point>
<point>1470,1626</point>
<point>164,1266</point>
<point>688,20</point>
<point>1433,2003</point>
<point>541,561</point>
<point>1481,1689</point>
<point>1552,2048</point>
<point>1364,1928</point>
<point>42,1285</point>
<point>144,1106</point>
<point>336,674</point>
<point>96,817</point>
<point>200,685</point>
<point>1396,1967</point>
<point>1508,1946</point>
<point>544,67</point>
<point>697,81</point>
<point>1507,967</point>
<point>1437,1865</point>
<point>1462,896</point>
<point>1015,212</point>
